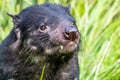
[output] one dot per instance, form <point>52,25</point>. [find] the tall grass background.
<point>99,24</point>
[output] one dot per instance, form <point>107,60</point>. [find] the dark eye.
<point>43,27</point>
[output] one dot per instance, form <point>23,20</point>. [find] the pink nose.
<point>71,33</point>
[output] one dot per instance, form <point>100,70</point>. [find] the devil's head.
<point>46,28</point>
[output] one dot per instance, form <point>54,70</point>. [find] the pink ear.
<point>16,18</point>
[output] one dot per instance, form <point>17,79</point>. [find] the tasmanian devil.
<point>44,40</point>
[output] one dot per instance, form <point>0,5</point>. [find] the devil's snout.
<point>71,33</point>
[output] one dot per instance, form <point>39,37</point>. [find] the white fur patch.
<point>33,47</point>
<point>48,51</point>
<point>61,46</point>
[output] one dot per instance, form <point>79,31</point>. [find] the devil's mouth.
<point>66,42</point>
<point>67,46</point>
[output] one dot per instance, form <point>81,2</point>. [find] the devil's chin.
<point>68,47</point>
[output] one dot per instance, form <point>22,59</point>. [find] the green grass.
<point>42,74</point>
<point>99,24</point>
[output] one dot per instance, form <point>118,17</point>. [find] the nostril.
<point>71,33</point>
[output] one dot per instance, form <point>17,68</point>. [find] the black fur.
<point>40,38</point>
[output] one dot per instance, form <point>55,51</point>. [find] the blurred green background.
<point>99,24</point>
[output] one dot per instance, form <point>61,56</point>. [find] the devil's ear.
<point>16,19</point>
<point>67,8</point>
